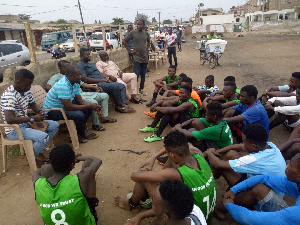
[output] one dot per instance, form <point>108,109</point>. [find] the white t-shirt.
<point>199,215</point>
<point>170,38</point>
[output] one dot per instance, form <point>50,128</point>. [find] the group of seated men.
<point>199,147</point>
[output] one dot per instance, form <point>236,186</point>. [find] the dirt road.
<point>258,59</point>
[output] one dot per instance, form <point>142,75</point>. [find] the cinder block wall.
<point>43,70</point>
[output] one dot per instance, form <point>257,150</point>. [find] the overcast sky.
<point>106,10</point>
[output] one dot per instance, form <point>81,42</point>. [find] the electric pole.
<point>81,18</point>
<point>159,20</point>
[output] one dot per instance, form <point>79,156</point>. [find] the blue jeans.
<point>40,139</point>
<point>140,69</point>
<point>271,203</point>
<point>80,118</point>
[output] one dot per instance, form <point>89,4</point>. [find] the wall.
<point>43,70</point>
<point>268,25</point>
<point>218,19</point>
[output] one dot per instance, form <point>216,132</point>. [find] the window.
<point>59,36</point>
<point>7,49</point>
<point>65,35</point>
<point>113,36</point>
<point>237,20</point>
<point>18,48</point>
<point>96,37</point>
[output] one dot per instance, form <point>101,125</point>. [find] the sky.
<point>106,10</point>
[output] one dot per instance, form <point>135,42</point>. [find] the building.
<point>211,12</point>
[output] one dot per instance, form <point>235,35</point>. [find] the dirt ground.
<point>259,59</point>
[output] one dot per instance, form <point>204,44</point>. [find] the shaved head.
<point>102,53</point>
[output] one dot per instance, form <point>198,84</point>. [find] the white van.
<point>96,41</point>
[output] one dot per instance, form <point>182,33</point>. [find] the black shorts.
<point>182,117</point>
<point>237,128</point>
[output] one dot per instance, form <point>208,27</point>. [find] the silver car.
<point>13,53</point>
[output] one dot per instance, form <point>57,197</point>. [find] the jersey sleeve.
<point>206,134</point>
<point>242,215</point>
<point>238,107</point>
<point>252,115</point>
<point>288,110</point>
<point>244,164</point>
<point>284,88</point>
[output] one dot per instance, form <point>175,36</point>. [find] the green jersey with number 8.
<point>64,203</point>
<point>203,185</point>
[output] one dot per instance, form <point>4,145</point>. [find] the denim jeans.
<point>116,90</point>
<point>80,118</point>
<point>140,69</point>
<point>172,51</point>
<point>40,139</point>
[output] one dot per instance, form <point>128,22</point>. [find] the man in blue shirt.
<point>66,94</point>
<point>271,208</point>
<point>249,111</point>
<point>91,75</point>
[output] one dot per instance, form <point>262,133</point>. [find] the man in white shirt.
<point>172,203</point>
<point>171,41</point>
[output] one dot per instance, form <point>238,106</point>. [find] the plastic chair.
<point>154,57</point>
<point>25,145</point>
<point>39,96</point>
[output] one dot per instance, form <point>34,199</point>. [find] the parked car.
<point>13,53</point>
<point>69,44</point>
<point>50,39</point>
<point>96,41</point>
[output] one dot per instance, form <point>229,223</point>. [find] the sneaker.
<point>152,102</point>
<point>148,129</point>
<point>162,160</point>
<point>150,114</point>
<point>153,138</point>
<point>142,92</point>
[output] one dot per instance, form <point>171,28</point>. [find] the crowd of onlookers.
<point>214,132</point>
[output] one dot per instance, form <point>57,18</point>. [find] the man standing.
<point>179,35</point>
<point>141,44</point>
<point>91,75</point>
<point>109,68</point>
<point>63,198</point>
<point>129,42</point>
<point>14,104</point>
<point>171,39</point>
<point>66,94</point>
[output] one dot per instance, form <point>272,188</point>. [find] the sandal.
<point>91,136</point>
<point>125,109</point>
<point>109,120</point>
<point>135,101</point>
<point>98,128</point>
<point>82,139</point>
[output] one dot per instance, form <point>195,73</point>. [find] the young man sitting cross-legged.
<point>63,198</point>
<point>258,191</point>
<point>172,112</point>
<point>264,158</point>
<point>170,210</point>
<point>192,169</point>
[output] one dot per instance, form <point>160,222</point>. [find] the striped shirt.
<point>9,101</point>
<point>62,89</point>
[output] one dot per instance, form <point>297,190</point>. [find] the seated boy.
<point>172,112</point>
<point>288,109</point>
<point>227,80</point>
<point>270,208</point>
<point>208,132</point>
<point>283,91</point>
<point>264,158</point>
<point>208,88</point>
<point>228,98</point>
<point>63,198</point>
<point>169,211</point>
<point>192,169</point>
<point>171,83</point>
<point>249,111</point>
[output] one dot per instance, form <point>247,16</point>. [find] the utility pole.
<point>81,18</point>
<point>159,20</point>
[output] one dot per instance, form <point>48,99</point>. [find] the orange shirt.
<point>194,95</point>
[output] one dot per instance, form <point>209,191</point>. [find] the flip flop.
<point>109,120</point>
<point>126,109</point>
<point>135,101</point>
<point>82,139</point>
<point>91,136</point>
<point>98,128</point>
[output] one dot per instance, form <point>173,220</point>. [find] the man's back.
<point>203,185</point>
<point>63,203</point>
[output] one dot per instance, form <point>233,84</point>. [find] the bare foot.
<point>124,204</point>
<point>220,213</point>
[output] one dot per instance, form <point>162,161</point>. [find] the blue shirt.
<point>255,113</point>
<point>89,69</point>
<point>285,216</point>
<point>62,89</point>
<point>268,161</point>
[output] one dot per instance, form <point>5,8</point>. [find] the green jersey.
<point>220,133</point>
<point>168,80</point>
<point>235,100</point>
<point>238,90</point>
<point>195,113</point>
<point>203,185</point>
<point>64,203</point>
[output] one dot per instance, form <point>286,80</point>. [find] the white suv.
<point>96,41</point>
<point>13,53</point>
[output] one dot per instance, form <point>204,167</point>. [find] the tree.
<point>154,20</point>
<point>61,21</point>
<point>167,21</point>
<point>118,21</point>
<point>24,16</point>
<point>142,16</point>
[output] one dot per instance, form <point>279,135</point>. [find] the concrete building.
<point>211,12</point>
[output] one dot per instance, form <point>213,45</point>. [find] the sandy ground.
<point>259,59</point>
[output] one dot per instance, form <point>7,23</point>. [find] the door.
<point>10,55</point>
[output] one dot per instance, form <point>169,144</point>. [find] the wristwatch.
<point>31,119</point>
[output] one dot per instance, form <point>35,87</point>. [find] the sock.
<point>279,119</point>
<point>165,120</point>
<point>154,96</point>
<point>156,120</point>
